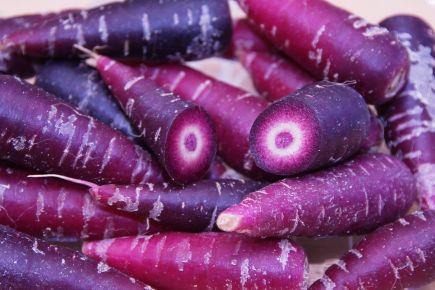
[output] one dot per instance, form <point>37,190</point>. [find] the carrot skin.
<point>193,208</point>
<point>232,110</point>
<point>351,198</point>
<point>410,117</point>
<point>60,211</point>
<point>316,126</point>
<point>396,256</point>
<point>50,136</point>
<point>332,43</point>
<point>31,263</point>
<point>78,84</point>
<point>179,133</point>
<point>151,30</point>
<point>206,260</point>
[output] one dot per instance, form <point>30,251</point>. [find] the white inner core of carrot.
<point>292,147</point>
<point>189,152</point>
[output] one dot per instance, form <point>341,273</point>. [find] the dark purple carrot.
<point>78,84</point>
<point>332,43</point>
<point>376,133</point>
<point>352,198</point>
<point>179,133</point>
<point>396,256</point>
<point>41,132</point>
<point>30,263</point>
<point>232,110</point>
<point>205,261</point>
<point>316,126</point>
<point>193,208</point>
<point>59,211</point>
<point>274,76</point>
<point>11,61</point>
<point>150,30</point>
<point>410,117</point>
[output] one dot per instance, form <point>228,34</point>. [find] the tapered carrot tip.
<point>228,222</point>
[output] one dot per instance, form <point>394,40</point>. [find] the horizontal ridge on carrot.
<point>80,85</point>
<point>399,255</point>
<point>31,263</point>
<point>193,208</point>
<point>180,134</point>
<point>351,198</point>
<point>41,132</point>
<point>205,261</point>
<point>410,117</point>
<point>232,110</point>
<point>318,125</point>
<point>59,211</point>
<point>151,30</point>
<point>332,43</point>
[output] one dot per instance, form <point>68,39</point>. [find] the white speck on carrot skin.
<point>184,254</point>
<point>102,267</point>
<point>40,205</point>
<point>180,76</point>
<point>3,188</point>
<point>157,134</point>
<point>286,247</point>
<point>146,27</point>
<point>35,248</point>
<point>157,209</point>
<point>102,29</point>
<point>102,248</point>
<point>61,202</point>
<point>244,273</point>
<point>132,82</point>
<point>107,155</point>
<point>200,89</point>
<point>356,252</point>
<point>327,282</point>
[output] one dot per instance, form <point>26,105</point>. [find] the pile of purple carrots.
<point>175,180</point>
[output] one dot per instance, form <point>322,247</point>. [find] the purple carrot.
<point>205,261</point>
<point>41,132</point>
<point>274,76</point>
<point>193,208</point>
<point>352,198</point>
<point>410,117</point>
<point>179,133</point>
<point>232,110</point>
<point>220,170</point>
<point>396,256</point>
<point>151,30</point>
<point>376,133</point>
<point>78,84</point>
<point>30,263</point>
<point>59,211</point>
<point>316,126</point>
<point>332,43</point>
<point>12,62</point>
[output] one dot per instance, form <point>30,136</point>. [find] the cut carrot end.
<point>228,222</point>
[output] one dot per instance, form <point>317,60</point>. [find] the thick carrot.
<point>410,117</point>
<point>78,84</point>
<point>179,133</point>
<point>318,125</point>
<point>152,30</point>
<point>232,110</point>
<point>193,208</point>
<point>352,198</point>
<point>59,211</point>
<point>205,261</point>
<point>30,263</point>
<point>396,256</point>
<point>41,132</point>
<point>332,43</point>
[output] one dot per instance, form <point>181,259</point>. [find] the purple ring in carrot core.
<point>283,140</point>
<point>190,142</point>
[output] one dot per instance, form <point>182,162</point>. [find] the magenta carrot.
<point>179,133</point>
<point>78,84</point>
<point>376,133</point>
<point>396,256</point>
<point>59,211</point>
<point>193,208</point>
<point>152,30</point>
<point>274,76</point>
<point>352,198</point>
<point>30,263</point>
<point>246,39</point>
<point>410,117</point>
<point>332,43</point>
<point>232,110</point>
<point>205,261</point>
<point>40,132</point>
<point>318,125</point>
